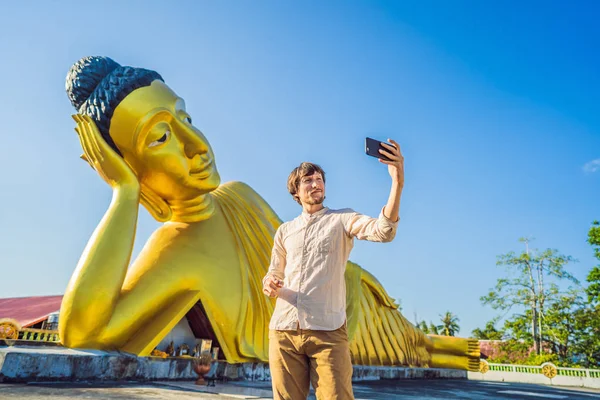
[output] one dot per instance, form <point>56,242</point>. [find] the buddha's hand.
<point>109,165</point>
<point>271,286</point>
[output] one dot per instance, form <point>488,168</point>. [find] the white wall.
<point>520,377</point>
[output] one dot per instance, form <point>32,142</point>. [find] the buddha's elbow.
<point>77,335</point>
<point>74,341</point>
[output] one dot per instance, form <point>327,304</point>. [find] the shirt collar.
<point>306,216</point>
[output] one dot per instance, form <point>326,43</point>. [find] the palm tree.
<point>433,329</point>
<point>449,326</point>
<point>423,326</point>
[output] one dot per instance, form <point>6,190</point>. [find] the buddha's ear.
<point>156,205</point>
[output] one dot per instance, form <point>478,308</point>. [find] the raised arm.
<point>383,228</point>
<point>396,170</point>
<point>363,227</point>
<point>95,286</point>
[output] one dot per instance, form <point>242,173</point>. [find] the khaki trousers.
<point>300,357</point>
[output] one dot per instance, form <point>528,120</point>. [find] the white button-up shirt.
<point>309,255</point>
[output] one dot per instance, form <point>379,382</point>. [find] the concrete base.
<point>36,364</point>
<point>27,364</point>
<point>367,373</point>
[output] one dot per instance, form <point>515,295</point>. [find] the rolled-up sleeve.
<point>278,255</point>
<point>363,227</point>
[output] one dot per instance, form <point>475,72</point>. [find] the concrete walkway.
<point>374,390</point>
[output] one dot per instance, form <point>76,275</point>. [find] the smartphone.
<point>372,147</point>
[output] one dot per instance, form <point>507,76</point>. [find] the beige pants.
<point>300,357</point>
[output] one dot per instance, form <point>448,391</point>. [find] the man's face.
<point>311,189</point>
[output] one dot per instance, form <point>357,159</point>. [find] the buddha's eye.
<point>189,120</point>
<point>162,139</point>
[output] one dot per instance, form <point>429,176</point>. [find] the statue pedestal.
<point>38,364</point>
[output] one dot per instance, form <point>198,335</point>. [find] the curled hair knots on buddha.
<point>96,85</point>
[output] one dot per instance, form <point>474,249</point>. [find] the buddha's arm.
<point>94,288</point>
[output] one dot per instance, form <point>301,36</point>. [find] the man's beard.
<point>313,202</point>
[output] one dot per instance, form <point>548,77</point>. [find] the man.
<point>308,341</point>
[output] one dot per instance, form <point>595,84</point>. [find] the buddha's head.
<point>146,123</point>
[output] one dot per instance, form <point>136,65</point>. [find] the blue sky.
<point>494,105</point>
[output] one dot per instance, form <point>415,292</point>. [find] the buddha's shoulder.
<point>236,188</point>
<point>182,236</point>
<point>243,195</point>
<point>168,231</point>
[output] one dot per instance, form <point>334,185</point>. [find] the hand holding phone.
<point>391,156</point>
<point>372,147</point>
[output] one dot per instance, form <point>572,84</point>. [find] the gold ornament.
<point>549,370</point>
<point>9,329</point>
<point>484,366</point>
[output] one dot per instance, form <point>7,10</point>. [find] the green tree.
<point>593,278</point>
<point>517,346</point>
<point>518,327</point>
<point>433,329</point>
<point>423,326</point>
<point>428,329</point>
<point>449,326</point>
<point>586,348</point>
<point>562,324</point>
<point>489,332</point>
<point>588,321</point>
<point>531,283</point>
<point>572,329</point>
<point>511,351</point>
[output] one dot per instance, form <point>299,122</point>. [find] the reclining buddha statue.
<point>214,244</point>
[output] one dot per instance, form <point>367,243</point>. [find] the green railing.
<point>528,369</point>
<point>38,335</point>
<point>502,367</point>
<point>547,369</point>
<point>584,373</point>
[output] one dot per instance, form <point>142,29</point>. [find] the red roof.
<point>29,310</point>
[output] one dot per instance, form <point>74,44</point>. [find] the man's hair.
<point>304,169</point>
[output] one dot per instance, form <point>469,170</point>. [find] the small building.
<point>32,312</point>
<point>489,348</point>
<point>42,312</point>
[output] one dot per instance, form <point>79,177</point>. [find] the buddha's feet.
<point>453,352</point>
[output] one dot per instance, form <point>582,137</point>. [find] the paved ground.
<point>475,390</point>
<point>374,390</point>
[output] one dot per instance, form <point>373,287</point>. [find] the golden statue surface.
<point>214,245</point>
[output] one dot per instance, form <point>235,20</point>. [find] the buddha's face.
<point>155,134</point>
